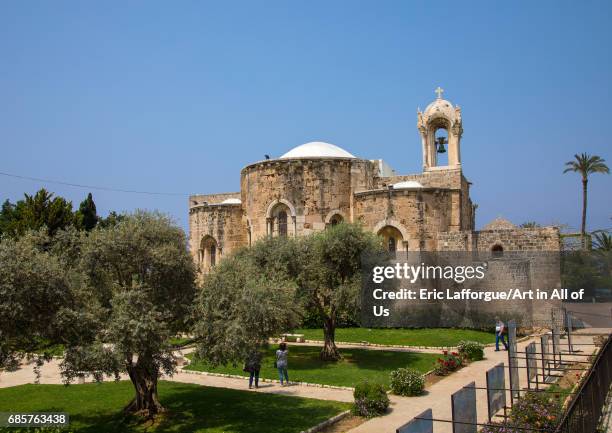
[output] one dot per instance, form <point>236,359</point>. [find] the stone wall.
<point>223,222</point>
<point>517,239</point>
<point>447,178</point>
<point>461,210</point>
<point>198,199</point>
<point>419,214</point>
<point>539,246</point>
<point>312,189</point>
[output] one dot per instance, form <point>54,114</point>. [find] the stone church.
<point>318,184</point>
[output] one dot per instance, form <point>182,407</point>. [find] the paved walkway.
<point>371,347</point>
<point>438,398</point>
<point>401,411</point>
<point>50,374</point>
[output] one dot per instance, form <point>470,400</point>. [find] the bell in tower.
<point>440,115</point>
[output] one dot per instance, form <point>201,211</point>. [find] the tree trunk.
<point>146,402</point>
<point>330,351</point>
<point>584,213</point>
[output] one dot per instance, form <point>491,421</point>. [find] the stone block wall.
<point>518,239</point>
<point>461,210</point>
<point>313,189</point>
<point>418,214</point>
<point>223,222</point>
<point>448,178</point>
<point>198,199</point>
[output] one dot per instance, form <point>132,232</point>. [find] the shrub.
<point>447,363</point>
<point>406,381</point>
<point>471,350</point>
<point>371,399</point>
<point>534,411</point>
<point>537,410</point>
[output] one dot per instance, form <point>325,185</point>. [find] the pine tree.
<point>87,216</point>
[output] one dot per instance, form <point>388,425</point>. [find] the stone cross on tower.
<point>439,91</point>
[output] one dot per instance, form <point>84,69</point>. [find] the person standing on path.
<point>253,365</point>
<point>281,363</point>
<point>500,334</point>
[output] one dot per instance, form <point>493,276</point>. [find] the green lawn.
<point>96,408</point>
<point>356,365</point>
<point>181,341</point>
<point>403,337</point>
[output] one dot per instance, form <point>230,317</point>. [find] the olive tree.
<point>34,291</point>
<point>330,276</point>
<point>136,293</point>
<point>242,304</point>
<point>263,290</point>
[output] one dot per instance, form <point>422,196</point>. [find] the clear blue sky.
<point>179,96</point>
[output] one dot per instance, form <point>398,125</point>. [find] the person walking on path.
<point>281,363</point>
<point>500,334</point>
<point>252,366</point>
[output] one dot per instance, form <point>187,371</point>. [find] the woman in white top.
<point>281,363</point>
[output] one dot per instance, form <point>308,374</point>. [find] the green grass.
<point>180,341</point>
<point>403,337</point>
<point>53,350</point>
<point>97,408</point>
<point>356,365</point>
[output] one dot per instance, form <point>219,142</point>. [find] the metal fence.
<point>585,409</point>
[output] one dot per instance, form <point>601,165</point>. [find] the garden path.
<point>50,374</point>
<point>402,409</point>
<point>437,397</point>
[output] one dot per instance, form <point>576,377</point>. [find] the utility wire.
<point>102,188</point>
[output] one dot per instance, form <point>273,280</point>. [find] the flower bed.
<point>447,363</point>
<point>536,411</point>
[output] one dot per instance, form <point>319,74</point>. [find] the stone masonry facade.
<point>317,184</point>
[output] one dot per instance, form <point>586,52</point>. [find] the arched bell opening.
<point>441,146</point>
<point>439,138</point>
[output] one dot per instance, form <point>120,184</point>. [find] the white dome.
<point>232,201</point>
<point>407,184</point>
<point>317,149</point>
<point>440,108</point>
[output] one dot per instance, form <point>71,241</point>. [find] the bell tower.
<point>440,115</point>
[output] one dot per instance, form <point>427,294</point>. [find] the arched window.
<point>282,223</point>
<point>497,250</point>
<point>208,253</point>
<point>213,255</point>
<point>392,238</point>
<point>279,222</point>
<point>336,219</point>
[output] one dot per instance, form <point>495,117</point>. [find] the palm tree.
<point>603,241</point>
<point>586,164</point>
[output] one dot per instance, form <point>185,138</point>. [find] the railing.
<point>585,409</point>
